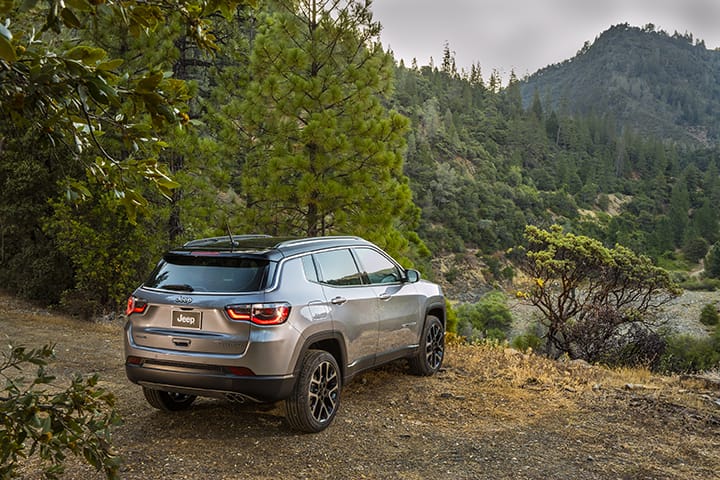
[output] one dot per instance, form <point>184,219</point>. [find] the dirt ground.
<point>491,413</point>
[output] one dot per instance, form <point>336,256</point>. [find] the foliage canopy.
<point>325,155</point>
<point>589,295</point>
<point>72,95</point>
<point>40,419</point>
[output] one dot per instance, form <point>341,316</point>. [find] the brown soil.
<point>490,413</point>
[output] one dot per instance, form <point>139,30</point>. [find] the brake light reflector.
<point>240,371</point>
<point>260,313</point>
<point>135,305</point>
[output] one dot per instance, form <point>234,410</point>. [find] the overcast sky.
<point>526,35</point>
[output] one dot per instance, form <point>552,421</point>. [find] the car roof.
<point>267,246</point>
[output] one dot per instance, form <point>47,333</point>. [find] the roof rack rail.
<point>212,240</point>
<point>300,241</point>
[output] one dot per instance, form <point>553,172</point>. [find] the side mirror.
<point>412,276</point>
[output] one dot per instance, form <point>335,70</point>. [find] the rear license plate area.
<point>186,319</point>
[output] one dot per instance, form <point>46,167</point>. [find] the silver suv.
<point>265,319</point>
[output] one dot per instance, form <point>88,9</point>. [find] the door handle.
<point>338,300</point>
<point>384,296</point>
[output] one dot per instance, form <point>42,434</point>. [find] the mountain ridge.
<point>657,84</point>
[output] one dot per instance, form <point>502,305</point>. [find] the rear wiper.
<point>184,287</point>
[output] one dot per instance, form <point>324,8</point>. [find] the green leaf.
<point>146,16</point>
<point>77,191</point>
<point>150,83</point>
<point>7,51</point>
<point>110,65</point>
<point>69,18</point>
<point>82,5</point>
<point>97,93</point>
<point>167,183</point>
<point>85,54</point>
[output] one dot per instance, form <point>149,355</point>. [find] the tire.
<point>315,399</point>
<point>431,352</point>
<point>168,401</point>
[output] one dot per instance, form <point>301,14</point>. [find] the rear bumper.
<point>209,381</point>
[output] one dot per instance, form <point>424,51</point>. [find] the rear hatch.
<point>185,299</point>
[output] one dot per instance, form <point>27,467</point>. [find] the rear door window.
<point>377,267</point>
<point>198,273</point>
<point>337,267</point>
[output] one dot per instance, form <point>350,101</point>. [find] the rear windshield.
<point>190,273</point>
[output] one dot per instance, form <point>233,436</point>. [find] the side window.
<point>309,268</point>
<point>377,267</point>
<point>337,267</point>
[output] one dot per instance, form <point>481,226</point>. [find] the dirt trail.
<point>490,413</point>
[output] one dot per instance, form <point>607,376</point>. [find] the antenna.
<point>232,242</point>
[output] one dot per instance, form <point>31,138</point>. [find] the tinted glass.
<point>338,268</point>
<point>309,268</point>
<point>377,267</point>
<point>186,273</point>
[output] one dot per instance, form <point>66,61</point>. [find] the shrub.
<point>451,320</point>
<point>603,202</point>
<point>712,261</point>
<point>687,353</point>
<point>527,341</point>
<point>589,295</point>
<point>709,315</point>
<point>109,255</point>
<point>452,274</point>
<point>703,284</point>
<point>41,420</point>
<point>639,347</point>
<point>695,249</point>
<point>488,318</point>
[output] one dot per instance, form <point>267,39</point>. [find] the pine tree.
<point>678,214</point>
<point>476,75</point>
<point>712,262</point>
<point>705,221</point>
<point>325,154</point>
<point>448,61</point>
<point>536,108</point>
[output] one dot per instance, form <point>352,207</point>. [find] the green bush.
<point>488,318</point>
<point>452,274</point>
<point>687,353</point>
<point>527,341</point>
<point>695,249</point>
<point>109,255</point>
<point>30,265</point>
<point>49,426</point>
<point>451,320</point>
<point>37,271</point>
<point>712,261</point>
<point>704,284</point>
<point>709,315</point>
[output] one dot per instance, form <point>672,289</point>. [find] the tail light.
<point>135,305</point>
<point>259,313</point>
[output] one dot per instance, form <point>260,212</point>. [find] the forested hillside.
<point>299,124</point>
<point>662,85</point>
<point>482,167</point>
